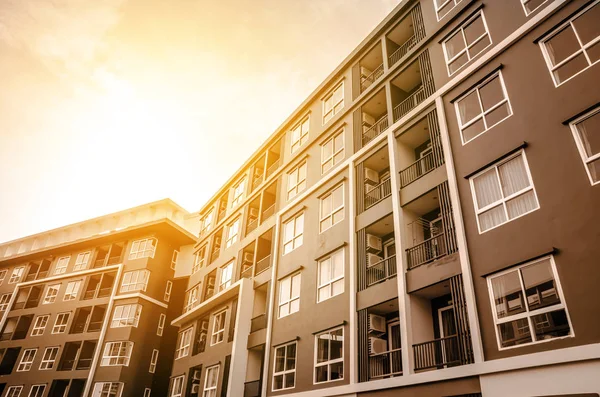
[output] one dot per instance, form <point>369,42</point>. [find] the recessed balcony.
<point>374,118</point>
<point>405,35</point>
<point>376,179</point>
<point>407,90</point>
<point>371,67</point>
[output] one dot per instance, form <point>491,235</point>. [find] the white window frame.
<point>100,392</point>
<point>286,298</point>
<point>527,314</point>
<point>199,259</point>
<point>285,360</point>
<point>208,389</point>
<point>168,290</point>
<point>14,391</point>
<point>580,146</point>
<point>176,388</point>
<point>206,222</point>
<point>330,114</point>
<point>119,360</point>
<point>325,162</point>
<point>226,276</point>
<point>233,232</point>
<point>238,192</point>
<point>51,294</point>
<point>298,129</point>
<point>126,316</point>
<point>218,327</point>
<point>329,362</point>
<point>72,290</point>
<point>296,240</point>
<point>191,298</point>
<point>140,249</point>
<point>26,361</point>
<point>161,324</point>
<point>60,327</point>
<point>49,358</point>
<point>437,9</point>
<point>293,189</point>
<point>82,261</point>
<point>184,343</point>
<point>153,361</point>
<point>329,283</point>
<point>16,275</point>
<point>37,390</point>
<point>174,259</point>
<point>503,200</point>
<point>134,283</point>
<point>4,301</point>
<point>3,275</point>
<point>582,48</point>
<point>38,329</point>
<point>322,216</point>
<point>61,265</point>
<point>481,116</point>
<point>147,392</point>
<point>461,30</point>
<point>527,12</point>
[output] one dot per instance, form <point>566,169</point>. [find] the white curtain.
<point>513,176</point>
<point>487,188</point>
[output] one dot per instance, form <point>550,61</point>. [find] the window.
<point>126,316</point>
<point>206,222</point>
<point>482,108</point>
<point>218,331</point>
<point>14,391</point>
<point>573,47</point>
<point>177,386</point>
<point>503,192</point>
<point>284,367</point>
<point>443,7</point>
<point>586,131</point>
<point>37,391</point>
<point>161,324</point>
<point>300,134</point>
<point>135,281</point>
<point>51,294</point>
<point>107,389</point>
<point>16,275</point>
<point>331,276</point>
<point>40,325</point>
<point>332,152</point>
<point>331,208</point>
<point>3,275</point>
<point>199,259</point>
<point>174,259</point>
<point>329,356</point>
<point>143,248</point>
<point>191,298</point>
<point>528,304</point>
<point>293,231</point>
<point>238,193</point>
<point>72,290</point>
<point>147,392</point>
<point>49,358</point>
<point>289,295</point>
<point>60,324</point>
<point>153,361</point>
<point>4,301</point>
<point>26,360</point>
<point>61,265</point>
<point>466,43</point>
<point>226,276</point>
<point>531,5</point>
<point>116,353</point>
<point>184,343</point>
<point>82,261</point>
<point>210,381</point>
<point>168,289</point>
<point>333,102</point>
<point>232,233</point>
<point>296,181</point>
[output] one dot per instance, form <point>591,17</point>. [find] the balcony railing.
<point>376,129</point>
<point>366,81</point>
<point>402,50</point>
<point>268,212</point>
<point>427,251</point>
<point>84,363</point>
<point>247,272</point>
<point>252,389</point>
<point>222,215</point>
<point>263,264</point>
<point>259,322</point>
<point>273,167</point>
<point>385,364</point>
<point>6,336</point>
<point>104,292</point>
<point>409,103</point>
<point>95,326</point>
<point>381,270</point>
<point>257,181</point>
<point>215,254</point>
<point>251,225</point>
<point>378,193</point>
<point>417,169</point>
<point>437,353</point>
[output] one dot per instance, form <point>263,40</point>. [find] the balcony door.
<point>447,328</point>
<point>393,335</point>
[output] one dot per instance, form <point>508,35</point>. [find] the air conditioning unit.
<point>258,172</point>
<point>195,389</point>
<point>368,121</point>
<point>373,244</point>
<point>248,257</point>
<point>204,325</point>
<point>377,345</point>
<point>253,212</point>
<point>210,291</point>
<point>371,177</point>
<point>196,375</point>
<point>376,323</point>
<point>210,282</point>
<point>373,259</point>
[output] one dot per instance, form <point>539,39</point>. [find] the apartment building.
<point>87,308</point>
<point>423,224</point>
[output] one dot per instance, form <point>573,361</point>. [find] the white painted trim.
<point>577,136</point>
<point>528,13</point>
<point>142,296</point>
<point>69,275</point>
<point>352,315</point>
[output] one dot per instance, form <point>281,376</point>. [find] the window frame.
<point>334,153</point>
<point>217,334</point>
<point>238,196</point>
<point>327,96</point>
<point>302,137</point>
<point>214,387</point>
<point>580,146</point>
<point>40,387</point>
<point>147,392</point>
<point>174,259</point>
<point>5,301</point>
<point>285,360</point>
<point>168,290</point>
<point>126,318</point>
<point>61,265</point>
<point>138,253</point>
<point>295,236</point>
<point>323,217</point>
<point>80,264</point>
<point>60,328</point>
<point>179,381</point>
<point>329,284</point>
<point>106,359</point>
<point>51,298</point>
<point>192,296</point>
<point>98,386</point>
<point>328,362</point>
<point>134,286</point>
<point>223,285</point>
<point>199,259</point>
<point>206,222</point>
<point>436,9</point>
<point>37,327</point>
<point>153,361</point>
<point>162,319</point>
<point>461,30</point>
<point>3,274</point>
<point>74,291</point>
<point>233,226</point>
<point>51,360</point>
<point>528,13</point>
<point>184,343</point>
<point>295,189</point>
<point>290,298</point>
<point>14,391</point>
<point>16,275</point>
<point>23,365</point>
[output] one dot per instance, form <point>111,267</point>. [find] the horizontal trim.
<point>343,323</point>
<point>552,251</point>
<point>455,17</point>
<point>142,296</point>
<point>565,19</point>
<point>496,69</point>
<point>331,251</point>
<point>295,270</point>
<point>68,275</point>
<point>505,155</point>
<point>297,338</point>
<point>578,115</point>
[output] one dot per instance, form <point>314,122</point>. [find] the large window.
<point>299,134</point>
<point>331,208</point>
<point>528,304</point>
<point>333,102</point>
<point>14,391</point>
<point>226,276</point>
<point>443,7</point>
<point>136,280</point>
<point>293,231</point>
<point>177,386</point>
<point>4,301</point>
<point>206,222</point>
<point>3,275</point>
<point>331,276</point>
<point>332,151</point>
<point>329,356</point>
<point>26,360</point>
<point>116,353</point>
<point>143,248</point>
<point>161,324</point>
<point>466,43</point>
<point>191,298</point>
<point>72,290</point>
<point>210,381</point>
<point>184,343</point>
<point>284,367</point>
<point>107,389</point>
<point>153,361</point>
<point>39,326</point>
<point>482,108</point>
<point>168,290</point>
<point>503,192</point>
<point>61,265</point>
<point>82,261</point>
<point>49,358</point>
<point>16,275</point>
<point>51,294</point>
<point>37,391</point>
<point>174,259</point>
<point>233,230</point>
<point>296,181</point>
<point>126,316</point>
<point>238,193</point>
<point>218,331</point>
<point>199,259</point>
<point>289,295</point>
<point>60,324</point>
<point>586,131</point>
<point>573,46</point>
<point>532,5</point>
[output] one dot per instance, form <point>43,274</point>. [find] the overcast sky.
<point>109,104</point>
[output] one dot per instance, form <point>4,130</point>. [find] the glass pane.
<point>279,359</point>
<point>491,93</point>
<point>594,168</point>
<point>336,371</point>
<point>294,306</point>
<point>587,25</point>
<point>284,310</point>
<point>514,333</point>
<point>338,264</point>
<point>321,373</point>
<point>508,295</point>
<point>278,382</point>
<point>338,142</point>
<point>325,271</point>
<point>454,45</point>
<point>487,188</point>
<point>540,287</point>
<point>296,286</point>
<point>473,130</point>
<point>521,204</point>
<point>322,348</point>
<point>497,115</point>
<point>491,218</point>
<point>288,231</point>
<point>513,176</point>
<point>469,107</point>
<point>326,206</point>
<point>284,292</point>
<point>299,224</point>
<point>562,45</point>
<point>291,357</point>
<point>290,379</point>
<point>338,197</point>
<point>480,46</point>
<point>327,150</point>
<point>589,134</point>
<point>326,223</point>
<point>474,30</point>
<point>551,325</point>
<point>323,293</point>
<point>458,62</point>
<point>338,216</point>
<point>571,68</point>
<point>337,344</point>
<point>338,287</point>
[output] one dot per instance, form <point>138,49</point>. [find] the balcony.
<point>370,67</point>
<point>367,79</point>
<point>374,118</point>
<point>377,253</point>
<point>438,353</point>
<point>409,103</point>
<point>259,322</point>
<point>38,270</point>
<point>405,35</point>
<point>386,364</point>
<point>375,130</point>
<point>381,270</point>
<point>378,193</point>
<point>408,90</point>
<point>428,251</point>
<point>374,179</point>
<point>252,389</point>
<point>263,264</point>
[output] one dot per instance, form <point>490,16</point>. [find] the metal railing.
<point>366,81</point>
<point>402,50</point>
<point>94,326</point>
<point>273,167</point>
<point>84,363</point>
<point>378,193</point>
<point>268,212</point>
<point>263,264</point>
<point>437,353</point>
<point>251,225</point>
<point>381,270</point>
<point>247,272</point>
<point>113,260</point>
<point>257,181</point>
<point>259,322</point>
<point>417,169</point>
<point>99,263</point>
<point>427,251</point>
<point>104,292</point>
<point>409,103</point>
<point>385,364</point>
<point>252,389</point>
<point>376,129</point>
<point>215,254</point>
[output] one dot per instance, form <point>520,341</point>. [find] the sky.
<point>110,104</point>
